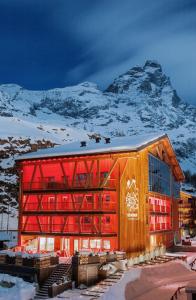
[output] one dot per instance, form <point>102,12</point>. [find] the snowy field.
<point>147,283</point>
<point>159,281</point>
<point>20,290</point>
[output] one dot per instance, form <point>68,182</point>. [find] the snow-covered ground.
<point>139,283</point>
<point>21,290</point>
<point>147,283</point>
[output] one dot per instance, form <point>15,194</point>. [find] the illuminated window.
<point>159,176</point>
<point>85,244</point>
<point>46,244</point>
<point>107,198</point>
<point>87,220</point>
<point>95,244</point>
<point>42,244</point>
<point>50,244</point>
<point>107,220</point>
<point>106,244</point>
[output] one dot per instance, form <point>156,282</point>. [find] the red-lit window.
<point>107,220</point>
<point>107,198</point>
<point>87,220</point>
<point>160,214</point>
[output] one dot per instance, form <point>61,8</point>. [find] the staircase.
<point>59,272</point>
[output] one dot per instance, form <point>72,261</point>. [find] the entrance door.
<point>65,246</point>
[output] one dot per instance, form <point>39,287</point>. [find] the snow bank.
<point>154,282</point>
<point>26,254</point>
<point>117,290</point>
<point>20,291</point>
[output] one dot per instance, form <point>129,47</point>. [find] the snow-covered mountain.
<point>140,101</point>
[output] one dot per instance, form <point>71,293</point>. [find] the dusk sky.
<point>55,43</point>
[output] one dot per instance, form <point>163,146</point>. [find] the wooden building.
<point>100,195</point>
<point>187,214</point>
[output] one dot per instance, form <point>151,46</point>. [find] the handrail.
<point>69,206</point>
<point>175,295</point>
<point>70,229</point>
<point>69,184</point>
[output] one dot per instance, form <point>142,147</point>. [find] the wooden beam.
<point>64,224</point>
<point>41,171</point>
<point>25,203</point>
<point>89,173</point>
<point>62,168</point>
<point>79,223</point>
<point>122,173</point>
<point>111,170</point>
<point>33,175</point>
<point>39,224</point>
<point>98,172</point>
<point>25,224</point>
<point>95,227</point>
<point>82,202</point>
<point>73,203</point>
<point>74,173</point>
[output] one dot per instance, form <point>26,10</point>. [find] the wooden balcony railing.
<point>70,206</point>
<point>159,209</point>
<point>72,229</point>
<point>160,227</point>
<point>69,185</point>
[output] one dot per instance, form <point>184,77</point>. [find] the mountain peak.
<point>152,64</point>
<point>148,79</point>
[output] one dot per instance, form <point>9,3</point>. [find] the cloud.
<point>116,37</point>
<point>50,43</point>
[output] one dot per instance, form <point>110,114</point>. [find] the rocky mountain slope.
<point>140,101</point>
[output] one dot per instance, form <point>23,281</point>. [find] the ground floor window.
<point>85,244</point>
<point>106,244</point>
<point>66,246</point>
<point>95,244</point>
<point>46,244</point>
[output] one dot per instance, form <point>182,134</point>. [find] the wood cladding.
<point>124,174</point>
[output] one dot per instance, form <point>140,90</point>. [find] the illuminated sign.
<point>132,200</point>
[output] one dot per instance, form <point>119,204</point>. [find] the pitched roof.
<point>121,144</point>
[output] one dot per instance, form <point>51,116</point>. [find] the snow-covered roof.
<point>121,144</point>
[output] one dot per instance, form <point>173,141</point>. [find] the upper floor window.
<point>159,176</point>
<point>161,179</point>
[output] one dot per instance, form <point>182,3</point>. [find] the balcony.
<point>68,206</point>
<point>71,229</point>
<point>159,209</point>
<point>160,227</point>
<point>70,185</point>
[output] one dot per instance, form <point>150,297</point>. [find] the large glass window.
<point>161,179</point>
<point>159,176</point>
<point>46,244</point>
<point>176,189</point>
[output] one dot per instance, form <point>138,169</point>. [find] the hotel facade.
<point>187,214</point>
<point>119,194</point>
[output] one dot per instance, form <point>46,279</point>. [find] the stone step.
<point>60,271</point>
